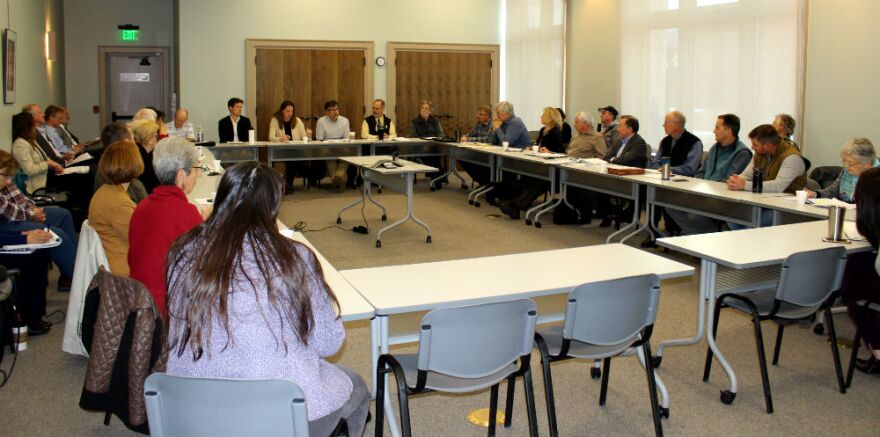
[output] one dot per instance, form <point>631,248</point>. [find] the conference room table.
<point>406,289</point>
<point>743,261</point>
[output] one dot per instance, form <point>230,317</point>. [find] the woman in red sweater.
<point>164,215</point>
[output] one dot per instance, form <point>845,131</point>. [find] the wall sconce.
<point>50,45</point>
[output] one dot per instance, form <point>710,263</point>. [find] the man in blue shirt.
<point>508,127</point>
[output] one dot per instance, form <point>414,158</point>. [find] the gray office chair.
<point>807,284</point>
<point>603,320</point>
<point>461,350</point>
<point>206,407</point>
<point>865,309</point>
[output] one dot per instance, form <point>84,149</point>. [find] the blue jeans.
<point>766,220</point>
<point>59,221</point>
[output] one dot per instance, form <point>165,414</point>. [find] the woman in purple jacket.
<point>246,302</point>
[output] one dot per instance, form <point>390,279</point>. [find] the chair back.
<point>203,407</point>
<point>476,341</point>
<point>90,256</point>
<point>808,278</point>
<point>610,313</point>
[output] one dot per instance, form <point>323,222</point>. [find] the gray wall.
<point>93,23</point>
<point>38,80</point>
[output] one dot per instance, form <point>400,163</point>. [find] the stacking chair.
<point>865,308</point>
<point>205,407</point>
<point>603,320</point>
<point>807,284</point>
<point>462,350</point>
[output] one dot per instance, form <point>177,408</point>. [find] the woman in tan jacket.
<point>286,126</point>
<point>111,208</point>
<point>30,157</point>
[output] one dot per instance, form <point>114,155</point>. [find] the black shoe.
<point>64,284</point>
<point>606,222</point>
<point>509,209</point>
<point>869,366</point>
<point>39,328</point>
<point>649,243</point>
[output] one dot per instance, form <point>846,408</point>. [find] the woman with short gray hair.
<point>858,155</point>
<point>164,215</point>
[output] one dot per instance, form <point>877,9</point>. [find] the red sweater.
<point>157,221</point>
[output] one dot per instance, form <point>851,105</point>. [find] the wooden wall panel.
<point>298,79</point>
<point>350,87</point>
<point>456,82</point>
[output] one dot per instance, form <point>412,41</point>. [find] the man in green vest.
<point>782,164</point>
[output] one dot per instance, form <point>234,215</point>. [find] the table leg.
<point>409,212</point>
<point>379,334</point>
<point>709,270</point>
<point>364,193</point>
<point>552,203</point>
<point>701,319</point>
<point>635,219</point>
<point>450,169</point>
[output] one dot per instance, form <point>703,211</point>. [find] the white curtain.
<point>533,55</point>
<point>709,57</point>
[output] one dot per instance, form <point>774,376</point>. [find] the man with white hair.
<point>181,126</point>
<point>145,114</point>
<point>507,127</point>
<point>586,143</point>
<point>683,149</point>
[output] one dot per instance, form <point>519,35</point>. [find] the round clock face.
<point>380,61</point>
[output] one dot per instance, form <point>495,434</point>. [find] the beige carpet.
<point>42,397</point>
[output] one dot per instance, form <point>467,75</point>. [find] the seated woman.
<point>246,302</point>
<point>31,158</point>
<point>32,280</point>
<point>18,213</point>
<point>146,134</point>
<point>861,280</point>
<point>164,215</point>
<point>549,140</point>
<point>111,208</point>
<point>857,155</point>
<point>286,126</point>
<point>425,125</point>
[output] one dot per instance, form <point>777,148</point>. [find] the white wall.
<point>842,72</point>
<point>213,33</point>
<point>594,56</point>
<point>38,80</point>
<point>93,23</point>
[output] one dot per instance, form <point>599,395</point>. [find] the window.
<point>709,57</point>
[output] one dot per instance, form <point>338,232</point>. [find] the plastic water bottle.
<point>200,136</point>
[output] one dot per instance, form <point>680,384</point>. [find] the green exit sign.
<point>130,34</point>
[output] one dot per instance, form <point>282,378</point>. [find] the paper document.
<point>83,157</point>
<point>24,249</point>
<point>81,169</point>
<point>827,203</point>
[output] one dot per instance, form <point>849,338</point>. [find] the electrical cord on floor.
<point>302,227</point>
<point>47,317</point>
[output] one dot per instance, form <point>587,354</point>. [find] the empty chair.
<point>604,320</point>
<point>206,407</point>
<point>807,285</point>
<point>461,350</point>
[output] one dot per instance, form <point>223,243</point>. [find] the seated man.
<point>234,127</point>
<point>378,126</point>
<point>479,134</point>
<point>586,143</point>
<point>684,150</point>
<point>784,125</point>
<point>781,163</point>
<point>42,136</point>
<point>334,127</point>
<point>181,126</point>
<point>632,151</point>
<point>425,125</point>
<point>608,126</point>
<point>510,129</point>
<point>728,156</point>
<point>58,136</point>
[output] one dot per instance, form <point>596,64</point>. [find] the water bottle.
<point>458,135</point>
<point>665,169</point>
<point>200,136</point>
<point>758,181</point>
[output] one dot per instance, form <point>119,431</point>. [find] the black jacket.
<point>634,155</point>
<point>224,127</point>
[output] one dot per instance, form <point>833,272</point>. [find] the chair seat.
<point>553,338</point>
<point>446,383</point>
<point>763,300</point>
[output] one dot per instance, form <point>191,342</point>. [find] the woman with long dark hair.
<point>31,158</point>
<point>860,280</point>
<point>286,126</point>
<point>246,302</point>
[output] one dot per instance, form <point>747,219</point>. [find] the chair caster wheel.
<point>664,412</point>
<point>477,204</point>
<point>338,220</point>
<point>464,187</point>
<point>378,244</point>
<point>528,222</point>
<point>818,329</point>
<point>470,202</point>
<point>384,217</point>
<point>595,372</point>
<point>428,240</point>
<point>656,361</point>
<point>537,224</point>
<point>727,397</point>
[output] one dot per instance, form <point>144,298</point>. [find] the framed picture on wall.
<point>9,66</point>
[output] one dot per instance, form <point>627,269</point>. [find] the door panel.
<point>132,86</point>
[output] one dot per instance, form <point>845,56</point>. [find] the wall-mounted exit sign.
<point>131,35</point>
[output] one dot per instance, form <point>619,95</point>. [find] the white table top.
<point>352,305</point>
<point>323,143</point>
<point>370,161</point>
<point>750,248</point>
<point>789,204</point>
<point>417,287</point>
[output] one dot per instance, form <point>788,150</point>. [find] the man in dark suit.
<point>633,150</point>
<point>235,126</point>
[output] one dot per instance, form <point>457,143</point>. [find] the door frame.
<point>494,50</point>
<point>103,51</point>
<point>251,46</point>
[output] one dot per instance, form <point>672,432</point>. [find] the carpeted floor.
<point>41,399</point>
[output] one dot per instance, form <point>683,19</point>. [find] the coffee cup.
<point>252,136</point>
<point>305,139</point>
<point>801,197</point>
<point>505,145</point>
<point>351,136</point>
<point>535,149</point>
